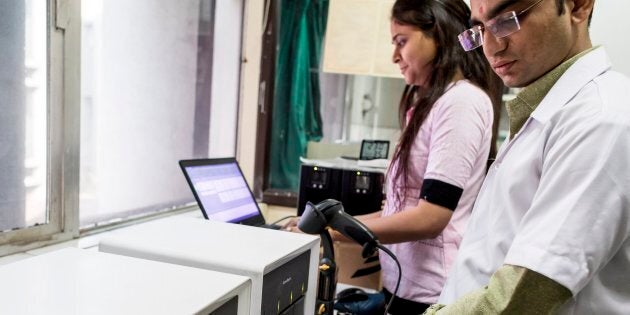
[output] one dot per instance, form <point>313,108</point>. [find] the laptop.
<point>222,192</point>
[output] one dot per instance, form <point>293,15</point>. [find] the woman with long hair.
<point>439,164</point>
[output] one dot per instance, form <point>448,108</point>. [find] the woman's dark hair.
<point>442,21</point>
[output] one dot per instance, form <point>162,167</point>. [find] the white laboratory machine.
<point>283,266</point>
<point>77,281</point>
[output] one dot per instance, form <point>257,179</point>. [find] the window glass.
<point>146,72</point>
<point>23,124</point>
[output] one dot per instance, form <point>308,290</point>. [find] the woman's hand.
<point>291,225</point>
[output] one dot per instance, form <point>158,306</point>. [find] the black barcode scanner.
<point>315,219</point>
<point>330,213</point>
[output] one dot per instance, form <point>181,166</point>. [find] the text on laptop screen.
<point>223,192</point>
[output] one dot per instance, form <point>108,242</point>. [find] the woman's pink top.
<point>451,148</point>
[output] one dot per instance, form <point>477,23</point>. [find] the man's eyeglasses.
<point>501,26</point>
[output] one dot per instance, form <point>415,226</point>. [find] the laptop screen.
<point>221,190</point>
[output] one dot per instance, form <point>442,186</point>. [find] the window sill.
<point>89,240</point>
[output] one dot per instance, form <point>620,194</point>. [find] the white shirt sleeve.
<point>580,215</point>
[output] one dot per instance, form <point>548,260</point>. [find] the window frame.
<point>63,111</point>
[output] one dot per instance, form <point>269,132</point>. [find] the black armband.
<point>441,193</point>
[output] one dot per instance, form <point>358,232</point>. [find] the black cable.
<point>328,250</point>
<point>388,252</point>
<point>284,218</point>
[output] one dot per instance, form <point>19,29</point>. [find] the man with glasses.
<point>550,228</point>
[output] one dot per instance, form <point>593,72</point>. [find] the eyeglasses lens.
<point>471,38</point>
<point>501,26</point>
<point>505,25</point>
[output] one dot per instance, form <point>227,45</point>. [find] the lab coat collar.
<point>571,82</point>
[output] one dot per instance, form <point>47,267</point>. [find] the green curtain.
<point>296,109</point>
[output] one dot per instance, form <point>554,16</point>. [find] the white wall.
<point>226,63</point>
<point>250,75</point>
<point>609,27</point>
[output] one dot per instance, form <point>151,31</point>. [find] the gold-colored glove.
<point>511,290</point>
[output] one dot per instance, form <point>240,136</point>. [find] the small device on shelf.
<point>374,149</point>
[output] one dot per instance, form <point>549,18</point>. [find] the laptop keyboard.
<point>271,226</point>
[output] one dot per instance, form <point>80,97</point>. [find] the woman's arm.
<point>291,225</point>
<point>369,216</point>
<point>424,221</point>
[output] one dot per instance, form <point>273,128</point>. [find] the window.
<point>23,74</point>
<point>100,99</point>
<point>147,89</point>
<point>144,85</point>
